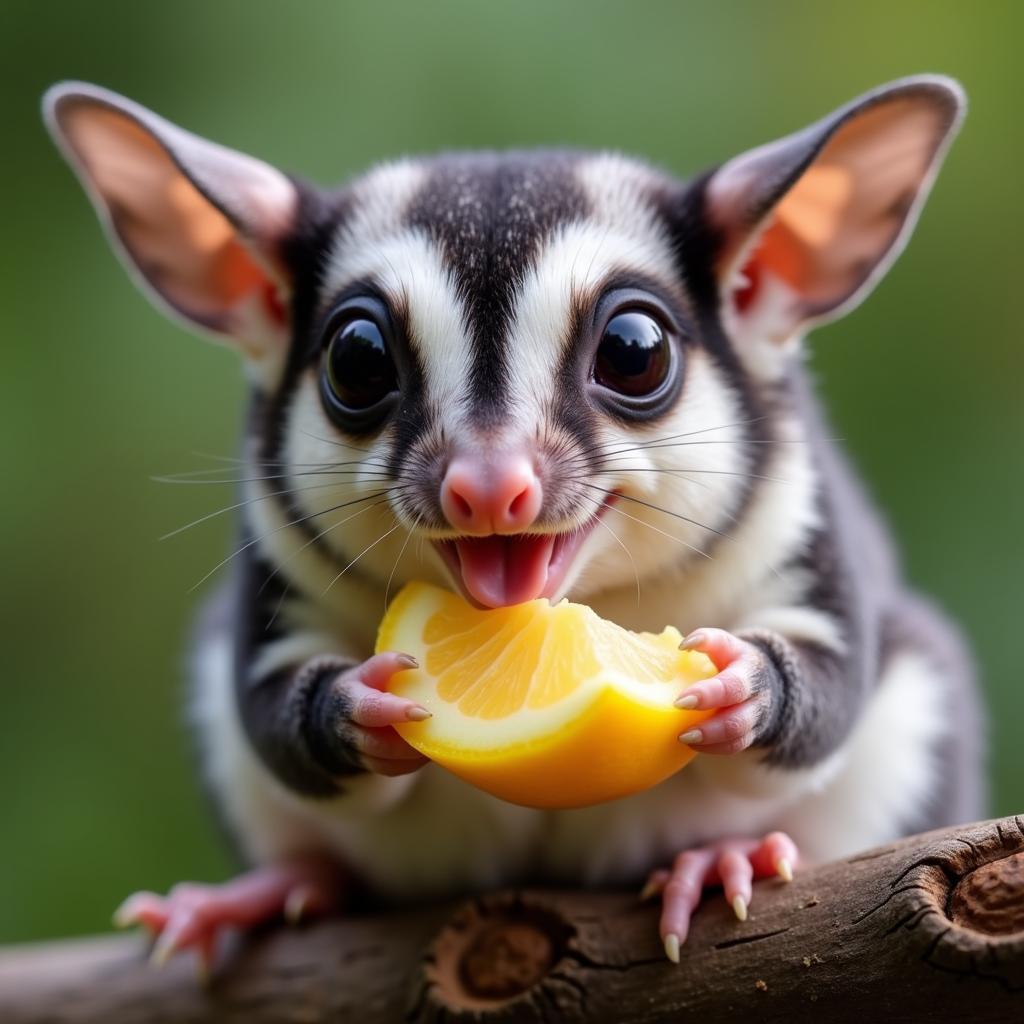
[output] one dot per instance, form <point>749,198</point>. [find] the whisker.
<point>656,508</point>
<point>735,440</point>
<point>284,526</point>
<point>249,501</point>
<point>678,474</point>
<point>689,433</point>
<point>337,443</point>
<point>643,522</point>
<point>686,444</point>
<point>375,474</point>
<point>618,540</point>
<point>290,469</point>
<point>280,601</point>
<point>266,462</point>
<point>312,540</point>
<point>383,536</point>
<point>408,537</point>
<point>677,470</point>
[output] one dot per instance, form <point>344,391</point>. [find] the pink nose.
<point>498,494</point>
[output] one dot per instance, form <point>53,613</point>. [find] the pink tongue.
<point>500,570</point>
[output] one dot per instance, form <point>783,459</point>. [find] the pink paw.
<point>730,863</point>
<point>370,712</point>
<point>742,693</point>
<point>192,915</point>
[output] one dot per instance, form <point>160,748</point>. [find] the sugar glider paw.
<point>741,694</point>
<point>193,915</point>
<point>732,864</point>
<point>365,713</point>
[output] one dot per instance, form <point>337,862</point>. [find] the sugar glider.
<point>544,373</point>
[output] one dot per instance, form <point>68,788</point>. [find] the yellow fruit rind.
<point>566,769</point>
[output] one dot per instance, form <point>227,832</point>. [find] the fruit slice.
<point>539,704</point>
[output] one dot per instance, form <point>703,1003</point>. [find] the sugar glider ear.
<point>197,225</point>
<point>809,223</point>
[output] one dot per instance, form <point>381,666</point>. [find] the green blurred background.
<point>98,393</point>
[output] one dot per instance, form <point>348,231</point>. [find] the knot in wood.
<point>506,958</point>
<point>494,952</point>
<point>991,898</point>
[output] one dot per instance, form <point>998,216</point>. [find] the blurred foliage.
<point>98,393</point>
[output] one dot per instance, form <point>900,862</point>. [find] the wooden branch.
<point>931,927</point>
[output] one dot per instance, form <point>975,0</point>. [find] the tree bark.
<point>927,927</point>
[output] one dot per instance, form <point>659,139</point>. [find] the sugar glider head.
<point>556,367</point>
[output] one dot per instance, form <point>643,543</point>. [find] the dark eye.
<point>633,357</point>
<point>358,369</point>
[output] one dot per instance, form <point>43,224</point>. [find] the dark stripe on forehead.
<point>490,213</point>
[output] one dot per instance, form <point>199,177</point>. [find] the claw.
<point>672,947</point>
<point>739,907</point>
<point>295,905</point>
<point>654,884</point>
<point>125,915</point>
<point>163,949</point>
<point>141,908</point>
<point>784,869</point>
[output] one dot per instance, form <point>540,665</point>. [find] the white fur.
<point>765,336</point>
<point>379,201</point>
<point>616,187</point>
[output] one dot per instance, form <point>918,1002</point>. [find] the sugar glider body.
<point>548,373</point>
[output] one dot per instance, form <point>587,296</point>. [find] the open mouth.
<point>503,569</point>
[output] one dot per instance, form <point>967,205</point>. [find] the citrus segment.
<point>539,704</point>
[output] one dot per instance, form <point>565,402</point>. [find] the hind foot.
<point>192,915</point>
<point>732,864</point>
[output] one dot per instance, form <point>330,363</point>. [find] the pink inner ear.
<point>182,243</point>
<point>837,223</point>
<point>813,211</point>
